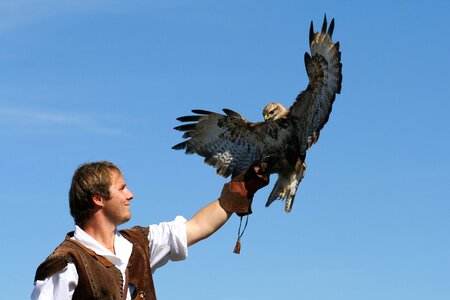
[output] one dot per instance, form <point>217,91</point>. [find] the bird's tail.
<point>286,186</point>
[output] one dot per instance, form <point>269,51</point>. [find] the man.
<point>97,261</point>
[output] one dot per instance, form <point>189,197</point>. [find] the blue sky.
<point>93,80</point>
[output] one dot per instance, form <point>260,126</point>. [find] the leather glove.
<point>237,195</point>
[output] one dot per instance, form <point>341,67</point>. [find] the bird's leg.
<point>268,165</point>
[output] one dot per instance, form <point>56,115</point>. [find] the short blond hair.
<point>89,179</point>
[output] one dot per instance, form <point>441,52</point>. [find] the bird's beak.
<point>265,117</point>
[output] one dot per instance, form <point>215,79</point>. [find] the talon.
<point>263,168</point>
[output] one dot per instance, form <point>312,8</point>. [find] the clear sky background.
<point>93,80</point>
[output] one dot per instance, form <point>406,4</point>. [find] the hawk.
<point>231,144</point>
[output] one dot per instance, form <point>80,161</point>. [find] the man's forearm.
<point>205,222</point>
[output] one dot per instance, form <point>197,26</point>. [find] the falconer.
<point>98,261</point>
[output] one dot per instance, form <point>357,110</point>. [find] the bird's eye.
<point>271,112</point>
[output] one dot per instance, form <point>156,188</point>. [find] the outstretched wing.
<point>312,107</point>
<point>229,142</point>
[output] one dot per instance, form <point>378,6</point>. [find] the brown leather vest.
<point>98,277</point>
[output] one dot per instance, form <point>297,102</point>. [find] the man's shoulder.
<point>57,261</point>
<point>136,234</point>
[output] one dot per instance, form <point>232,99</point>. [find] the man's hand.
<point>237,195</point>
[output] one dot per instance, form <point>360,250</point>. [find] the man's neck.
<point>102,232</point>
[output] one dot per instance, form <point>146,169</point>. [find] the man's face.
<point>117,209</point>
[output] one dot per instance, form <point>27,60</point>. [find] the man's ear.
<point>97,200</point>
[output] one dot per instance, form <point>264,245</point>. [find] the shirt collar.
<point>122,247</point>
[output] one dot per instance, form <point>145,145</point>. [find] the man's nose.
<point>130,194</point>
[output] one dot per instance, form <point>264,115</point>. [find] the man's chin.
<point>124,220</point>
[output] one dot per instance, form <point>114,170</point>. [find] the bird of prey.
<point>231,144</point>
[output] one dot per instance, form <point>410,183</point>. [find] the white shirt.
<point>167,242</point>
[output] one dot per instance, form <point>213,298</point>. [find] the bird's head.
<point>274,111</point>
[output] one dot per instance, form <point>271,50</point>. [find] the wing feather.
<point>189,119</point>
<point>229,143</point>
<point>313,106</point>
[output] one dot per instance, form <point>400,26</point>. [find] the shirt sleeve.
<point>60,285</point>
<point>168,241</point>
